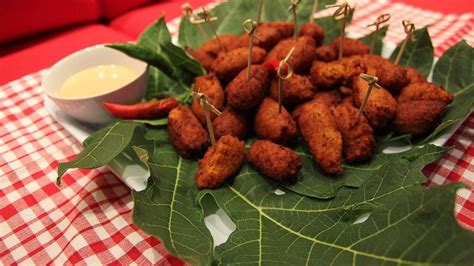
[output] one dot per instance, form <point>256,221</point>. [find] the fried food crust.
<point>302,57</point>
<point>350,46</point>
<point>228,41</point>
<point>220,162</point>
<point>285,29</point>
<point>358,139</point>
<point>210,86</point>
<point>381,107</point>
<point>319,129</point>
<point>327,75</point>
<point>424,91</point>
<point>328,98</point>
<point>186,132</point>
<point>414,76</point>
<point>325,53</point>
<point>204,58</point>
<point>243,94</point>
<point>419,118</point>
<point>228,65</point>
<point>232,123</point>
<point>295,90</point>
<point>390,76</point>
<point>275,161</point>
<point>276,127</point>
<point>314,31</point>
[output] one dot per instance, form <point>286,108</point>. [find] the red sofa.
<point>36,34</point>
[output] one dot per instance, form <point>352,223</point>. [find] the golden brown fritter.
<point>286,29</point>
<point>273,53</point>
<point>271,125</point>
<point>328,98</point>
<point>232,123</point>
<point>358,139</point>
<point>381,106</point>
<point>228,41</point>
<point>424,91</point>
<point>325,53</point>
<point>220,162</point>
<point>266,37</point>
<point>414,76</point>
<point>228,65</point>
<point>353,66</point>
<point>210,86</point>
<point>350,46</point>
<point>302,57</point>
<point>418,117</point>
<point>243,94</point>
<point>314,31</point>
<point>295,90</point>
<point>275,161</point>
<point>319,129</point>
<point>186,133</point>
<point>345,91</point>
<point>326,75</point>
<point>204,58</point>
<point>390,76</point>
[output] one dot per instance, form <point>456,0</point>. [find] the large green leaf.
<point>167,208</point>
<point>103,147</point>
<point>418,54</point>
<point>453,71</point>
<point>155,35</point>
<point>367,39</point>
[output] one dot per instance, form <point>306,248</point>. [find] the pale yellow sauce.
<point>96,80</point>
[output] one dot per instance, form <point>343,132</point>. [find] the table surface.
<point>88,220</point>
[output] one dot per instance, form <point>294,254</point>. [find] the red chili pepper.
<point>273,65</point>
<point>151,109</point>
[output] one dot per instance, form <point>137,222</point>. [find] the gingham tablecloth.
<point>88,220</point>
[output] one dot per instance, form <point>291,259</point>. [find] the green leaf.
<point>367,39</point>
<point>332,28</point>
<point>102,148</point>
<point>407,224</point>
<point>454,72</point>
<point>155,122</point>
<point>155,35</point>
<point>418,54</point>
<point>167,207</point>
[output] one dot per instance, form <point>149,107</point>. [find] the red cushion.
<point>114,8</point>
<point>135,21</point>
<point>19,59</point>
<point>22,18</point>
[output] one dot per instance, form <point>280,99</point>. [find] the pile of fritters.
<point>320,103</point>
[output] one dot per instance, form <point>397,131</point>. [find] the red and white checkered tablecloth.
<point>88,220</point>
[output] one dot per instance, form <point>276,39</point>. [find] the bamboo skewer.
<point>283,76</point>
<point>409,28</point>
<point>380,20</point>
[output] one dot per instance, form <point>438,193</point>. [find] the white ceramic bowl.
<point>90,109</point>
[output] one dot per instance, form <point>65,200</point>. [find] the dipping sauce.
<point>96,80</point>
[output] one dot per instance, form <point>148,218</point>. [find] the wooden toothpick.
<point>341,14</point>
<point>313,10</point>
<point>208,107</point>
<point>250,27</point>
<point>292,8</point>
<point>187,9</point>
<point>409,28</point>
<point>207,18</point>
<point>372,83</point>
<point>283,67</point>
<point>380,20</point>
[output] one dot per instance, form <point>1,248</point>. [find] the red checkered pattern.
<point>88,220</point>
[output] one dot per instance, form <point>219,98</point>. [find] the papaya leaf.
<point>367,39</point>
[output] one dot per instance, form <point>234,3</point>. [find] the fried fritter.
<point>295,90</point>
<point>424,91</point>
<point>243,94</point>
<point>418,117</point>
<point>319,129</point>
<point>228,65</point>
<point>286,29</point>
<point>350,46</point>
<point>277,127</point>
<point>228,41</point>
<point>381,107</point>
<point>325,53</point>
<point>210,86</point>
<point>275,161</point>
<point>186,133</point>
<point>353,66</point>
<point>414,76</point>
<point>273,53</point>
<point>345,91</point>
<point>303,55</point>
<point>232,123</point>
<point>327,75</point>
<point>390,76</point>
<point>358,139</point>
<point>328,98</point>
<point>220,162</point>
<point>204,58</point>
<point>313,30</point>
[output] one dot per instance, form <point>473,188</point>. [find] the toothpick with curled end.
<point>207,18</point>
<point>341,14</point>
<point>292,8</point>
<point>372,83</point>
<point>187,9</point>
<point>283,67</point>
<point>250,27</point>
<point>313,10</point>
<point>380,20</point>
<point>409,28</point>
<point>208,107</point>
